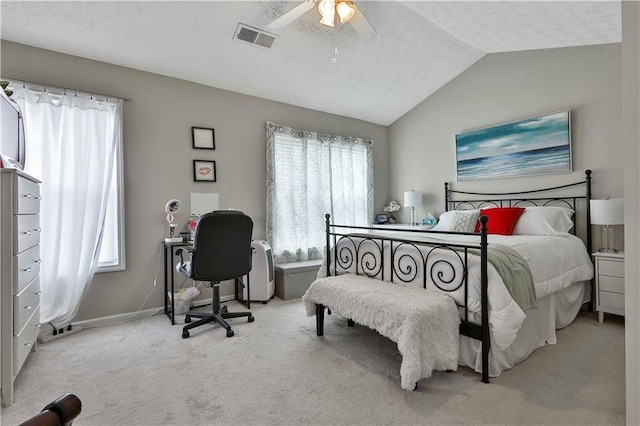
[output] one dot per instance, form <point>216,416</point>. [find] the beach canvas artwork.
<point>532,146</point>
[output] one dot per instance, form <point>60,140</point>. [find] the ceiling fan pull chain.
<point>335,45</point>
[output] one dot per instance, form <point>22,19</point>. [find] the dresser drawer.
<point>611,300</point>
<point>611,284</point>
<point>27,232</point>
<point>26,196</point>
<point>27,267</point>
<point>611,268</point>
<point>24,304</point>
<point>24,342</point>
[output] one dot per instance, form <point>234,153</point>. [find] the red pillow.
<point>502,220</point>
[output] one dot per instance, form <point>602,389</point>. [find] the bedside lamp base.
<point>608,238</point>
<point>413,222</point>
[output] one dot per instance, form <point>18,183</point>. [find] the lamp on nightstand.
<point>413,199</point>
<point>607,212</point>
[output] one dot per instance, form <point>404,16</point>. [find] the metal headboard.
<point>533,197</point>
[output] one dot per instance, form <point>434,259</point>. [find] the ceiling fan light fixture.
<point>327,9</point>
<point>345,11</point>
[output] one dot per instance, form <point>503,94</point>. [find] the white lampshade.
<point>327,9</point>
<point>607,212</point>
<point>345,11</point>
<point>412,198</point>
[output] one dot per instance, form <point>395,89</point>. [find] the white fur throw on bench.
<point>424,323</point>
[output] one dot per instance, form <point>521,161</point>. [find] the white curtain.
<point>71,141</point>
<point>309,175</point>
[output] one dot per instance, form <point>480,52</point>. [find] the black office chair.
<point>221,251</point>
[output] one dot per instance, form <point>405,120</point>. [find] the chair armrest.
<point>181,251</point>
<point>188,249</point>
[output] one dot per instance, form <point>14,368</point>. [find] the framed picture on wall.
<point>204,171</point>
<point>203,138</point>
<point>531,146</point>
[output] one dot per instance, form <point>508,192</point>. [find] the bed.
<point>512,291</point>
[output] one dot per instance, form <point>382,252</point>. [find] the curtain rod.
<point>64,90</point>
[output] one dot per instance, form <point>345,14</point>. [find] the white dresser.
<point>19,273</point>
<point>609,281</point>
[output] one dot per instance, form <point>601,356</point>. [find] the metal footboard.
<point>402,260</point>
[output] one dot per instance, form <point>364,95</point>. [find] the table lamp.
<point>413,199</point>
<point>606,213</point>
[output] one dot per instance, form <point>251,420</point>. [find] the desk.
<point>169,278</point>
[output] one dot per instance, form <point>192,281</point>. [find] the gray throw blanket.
<point>515,274</point>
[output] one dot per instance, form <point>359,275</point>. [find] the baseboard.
<point>202,302</point>
<point>62,333</point>
<point>118,318</point>
<point>48,336</point>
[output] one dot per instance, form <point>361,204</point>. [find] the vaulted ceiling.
<point>419,46</point>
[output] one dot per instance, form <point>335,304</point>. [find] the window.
<point>309,175</point>
<point>78,117</point>
<point>112,254</point>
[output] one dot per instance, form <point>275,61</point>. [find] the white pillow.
<point>458,221</point>
<point>544,220</point>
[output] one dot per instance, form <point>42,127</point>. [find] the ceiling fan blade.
<point>361,25</point>
<point>292,15</point>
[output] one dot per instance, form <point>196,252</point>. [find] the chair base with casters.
<point>219,315</point>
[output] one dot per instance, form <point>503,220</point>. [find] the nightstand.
<point>609,281</point>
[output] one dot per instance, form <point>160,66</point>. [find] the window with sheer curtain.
<point>308,175</point>
<point>74,146</point>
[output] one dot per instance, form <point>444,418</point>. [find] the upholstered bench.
<point>423,323</point>
<point>293,279</point>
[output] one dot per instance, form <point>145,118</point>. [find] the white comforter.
<point>555,263</point>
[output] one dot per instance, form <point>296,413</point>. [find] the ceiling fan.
<point>331,11</point>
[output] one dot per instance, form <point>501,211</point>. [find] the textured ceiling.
<point>419,46</point>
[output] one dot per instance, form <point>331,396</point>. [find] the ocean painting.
<point>532,146</point>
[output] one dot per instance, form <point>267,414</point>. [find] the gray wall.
<point>158,155</point>
<point>508,86</point>
<point>631,142</point>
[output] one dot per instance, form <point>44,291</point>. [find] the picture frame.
<point>204,171</point>
<point>203,137</point>
<point>382,218</point>
<point>530,146</point>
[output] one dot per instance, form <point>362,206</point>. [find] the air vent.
<point>254,36</point>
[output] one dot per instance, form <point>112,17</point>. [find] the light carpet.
<point>277,371</point>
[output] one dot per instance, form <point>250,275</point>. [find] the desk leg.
<point>173,307</point>
<point>166,263</point>
<point>168,270</point>
<point>239,293</point>
<point>248,292</point>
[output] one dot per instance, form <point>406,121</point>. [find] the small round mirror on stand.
<point>172,207</point>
